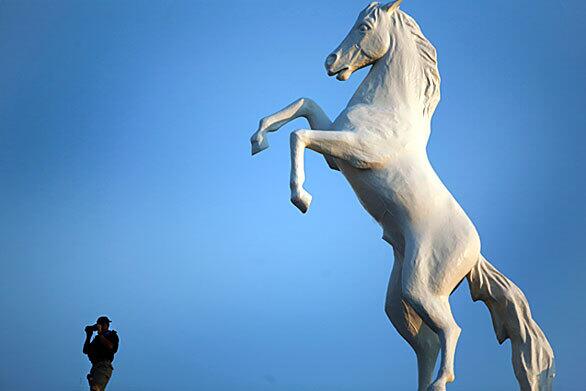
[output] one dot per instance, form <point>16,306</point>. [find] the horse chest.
<point>369,121</point>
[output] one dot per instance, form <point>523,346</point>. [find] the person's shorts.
<point>100,375</point>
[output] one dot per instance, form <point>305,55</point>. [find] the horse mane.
<point>428,56</point>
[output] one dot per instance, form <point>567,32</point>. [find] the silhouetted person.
<point>100,351</point>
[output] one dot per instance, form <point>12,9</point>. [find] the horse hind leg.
<point>410,326</point>
<point>435,311</point>
<point>422,339</point>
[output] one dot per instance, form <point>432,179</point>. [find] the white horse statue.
<point>379,142</point>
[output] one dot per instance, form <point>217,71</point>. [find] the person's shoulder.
<point>112,334</point>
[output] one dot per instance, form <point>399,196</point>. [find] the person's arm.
<point>106,342</point>
<point>115,341</point>
<point>86,344</point>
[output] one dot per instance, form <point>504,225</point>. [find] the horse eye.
<point>364,27</point>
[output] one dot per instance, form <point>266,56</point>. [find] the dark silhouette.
<point>100,351</point>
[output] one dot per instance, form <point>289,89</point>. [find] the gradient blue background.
<point>127,189</point>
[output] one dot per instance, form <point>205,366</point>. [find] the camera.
<point>91,328</point>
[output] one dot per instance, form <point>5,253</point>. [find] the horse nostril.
<point>331,59</point>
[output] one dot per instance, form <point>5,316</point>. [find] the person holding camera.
<point>100,351</point>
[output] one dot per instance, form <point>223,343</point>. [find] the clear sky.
<point>127,189</point>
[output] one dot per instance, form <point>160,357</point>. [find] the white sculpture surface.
<point>379,142</point>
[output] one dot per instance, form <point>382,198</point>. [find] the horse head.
<point>367,41</point>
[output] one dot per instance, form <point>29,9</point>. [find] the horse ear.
<point>392,6</point>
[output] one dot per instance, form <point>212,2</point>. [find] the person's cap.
<point>103,319</point>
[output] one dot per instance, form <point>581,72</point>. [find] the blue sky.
<point>127,189</point>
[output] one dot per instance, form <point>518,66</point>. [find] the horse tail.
<point>533,360</point>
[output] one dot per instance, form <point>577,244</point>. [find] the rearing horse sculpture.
<point>379,142</point>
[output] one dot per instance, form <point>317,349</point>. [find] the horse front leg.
<point>303,107</point>
<point>360,152</point>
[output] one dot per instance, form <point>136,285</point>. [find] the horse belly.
<point>366,186</point>
<point>376,194</point>
<point>409,201</point>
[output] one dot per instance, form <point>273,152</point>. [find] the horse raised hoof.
<point>259,143</point>
<point>301,199</point>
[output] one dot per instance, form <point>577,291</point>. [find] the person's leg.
<point>90,378</point>
<point>100,375</point>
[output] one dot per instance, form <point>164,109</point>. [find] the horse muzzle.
<point>342,72</point>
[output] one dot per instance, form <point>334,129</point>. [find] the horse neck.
<point>393,83</point>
